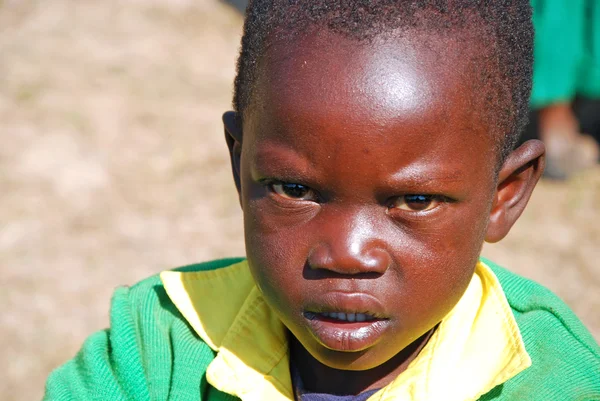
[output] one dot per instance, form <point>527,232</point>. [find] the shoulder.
<point>148,351</point>
<point>535,305</point>
<point>565,357</point>
<point>147,303</point>
<point>149,294</point>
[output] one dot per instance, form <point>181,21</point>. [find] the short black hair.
<point>505,24</point>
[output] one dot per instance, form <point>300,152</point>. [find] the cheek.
<point>274,232</point>
<point>276,250</point>
<point>438,263</point>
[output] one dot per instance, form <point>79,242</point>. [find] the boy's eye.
<point>290,190</point>
<point>416,203</point>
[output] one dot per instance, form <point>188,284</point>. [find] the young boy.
<point>372,149</point>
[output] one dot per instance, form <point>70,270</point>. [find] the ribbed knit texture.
<point>151,353</point>
<point>565,357</point>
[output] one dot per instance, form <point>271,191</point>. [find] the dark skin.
<point>368,179</point>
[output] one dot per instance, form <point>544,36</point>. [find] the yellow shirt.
<point>476,347</point>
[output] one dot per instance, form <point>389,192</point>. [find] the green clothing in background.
<point>566,50</point>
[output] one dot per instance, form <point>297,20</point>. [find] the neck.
<point>319,378</point>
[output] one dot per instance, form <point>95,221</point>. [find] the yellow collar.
<point>475,348</point>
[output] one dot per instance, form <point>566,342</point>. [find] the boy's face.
<point>367,181</point>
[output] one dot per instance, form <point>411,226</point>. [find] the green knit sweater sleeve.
<point>149,352</point>
<point>109,365</point>
<point>565,357</point>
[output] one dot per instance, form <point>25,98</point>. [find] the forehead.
<point>400,70</point>
<point>414,89</point>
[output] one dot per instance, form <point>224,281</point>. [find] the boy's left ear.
<point>233,137</point>
<point>517,178</point>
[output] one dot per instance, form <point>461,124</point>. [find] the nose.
<point>350,245</point>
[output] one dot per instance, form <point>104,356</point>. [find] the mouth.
<point>349,317</point>
<point>347,322</point>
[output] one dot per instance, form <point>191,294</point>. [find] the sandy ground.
<point>113,167</point>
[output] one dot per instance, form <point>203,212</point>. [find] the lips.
<point>347,322</point>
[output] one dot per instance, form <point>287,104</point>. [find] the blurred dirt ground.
<point>113,167</point>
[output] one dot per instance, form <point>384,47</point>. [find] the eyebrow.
<point>286,162</point>
<point>419,175</point>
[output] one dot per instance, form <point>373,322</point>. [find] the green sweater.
<point>150,352</point>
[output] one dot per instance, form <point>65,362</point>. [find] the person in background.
<point>566,83</point>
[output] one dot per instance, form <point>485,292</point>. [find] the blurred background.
<point>113,167</point>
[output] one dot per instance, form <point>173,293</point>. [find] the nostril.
<point>375,260</point>
<point>320,258</point>
<point>378,260</point>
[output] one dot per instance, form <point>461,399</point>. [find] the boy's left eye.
<point>416,202</point>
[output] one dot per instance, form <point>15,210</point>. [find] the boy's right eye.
<point>293,191</point>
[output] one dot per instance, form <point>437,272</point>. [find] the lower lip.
<point>346,336</point>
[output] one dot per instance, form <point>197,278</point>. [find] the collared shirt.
<point>476,347</point>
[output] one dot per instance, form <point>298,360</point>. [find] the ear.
<point>233,137</point>
<point>517,178</point>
